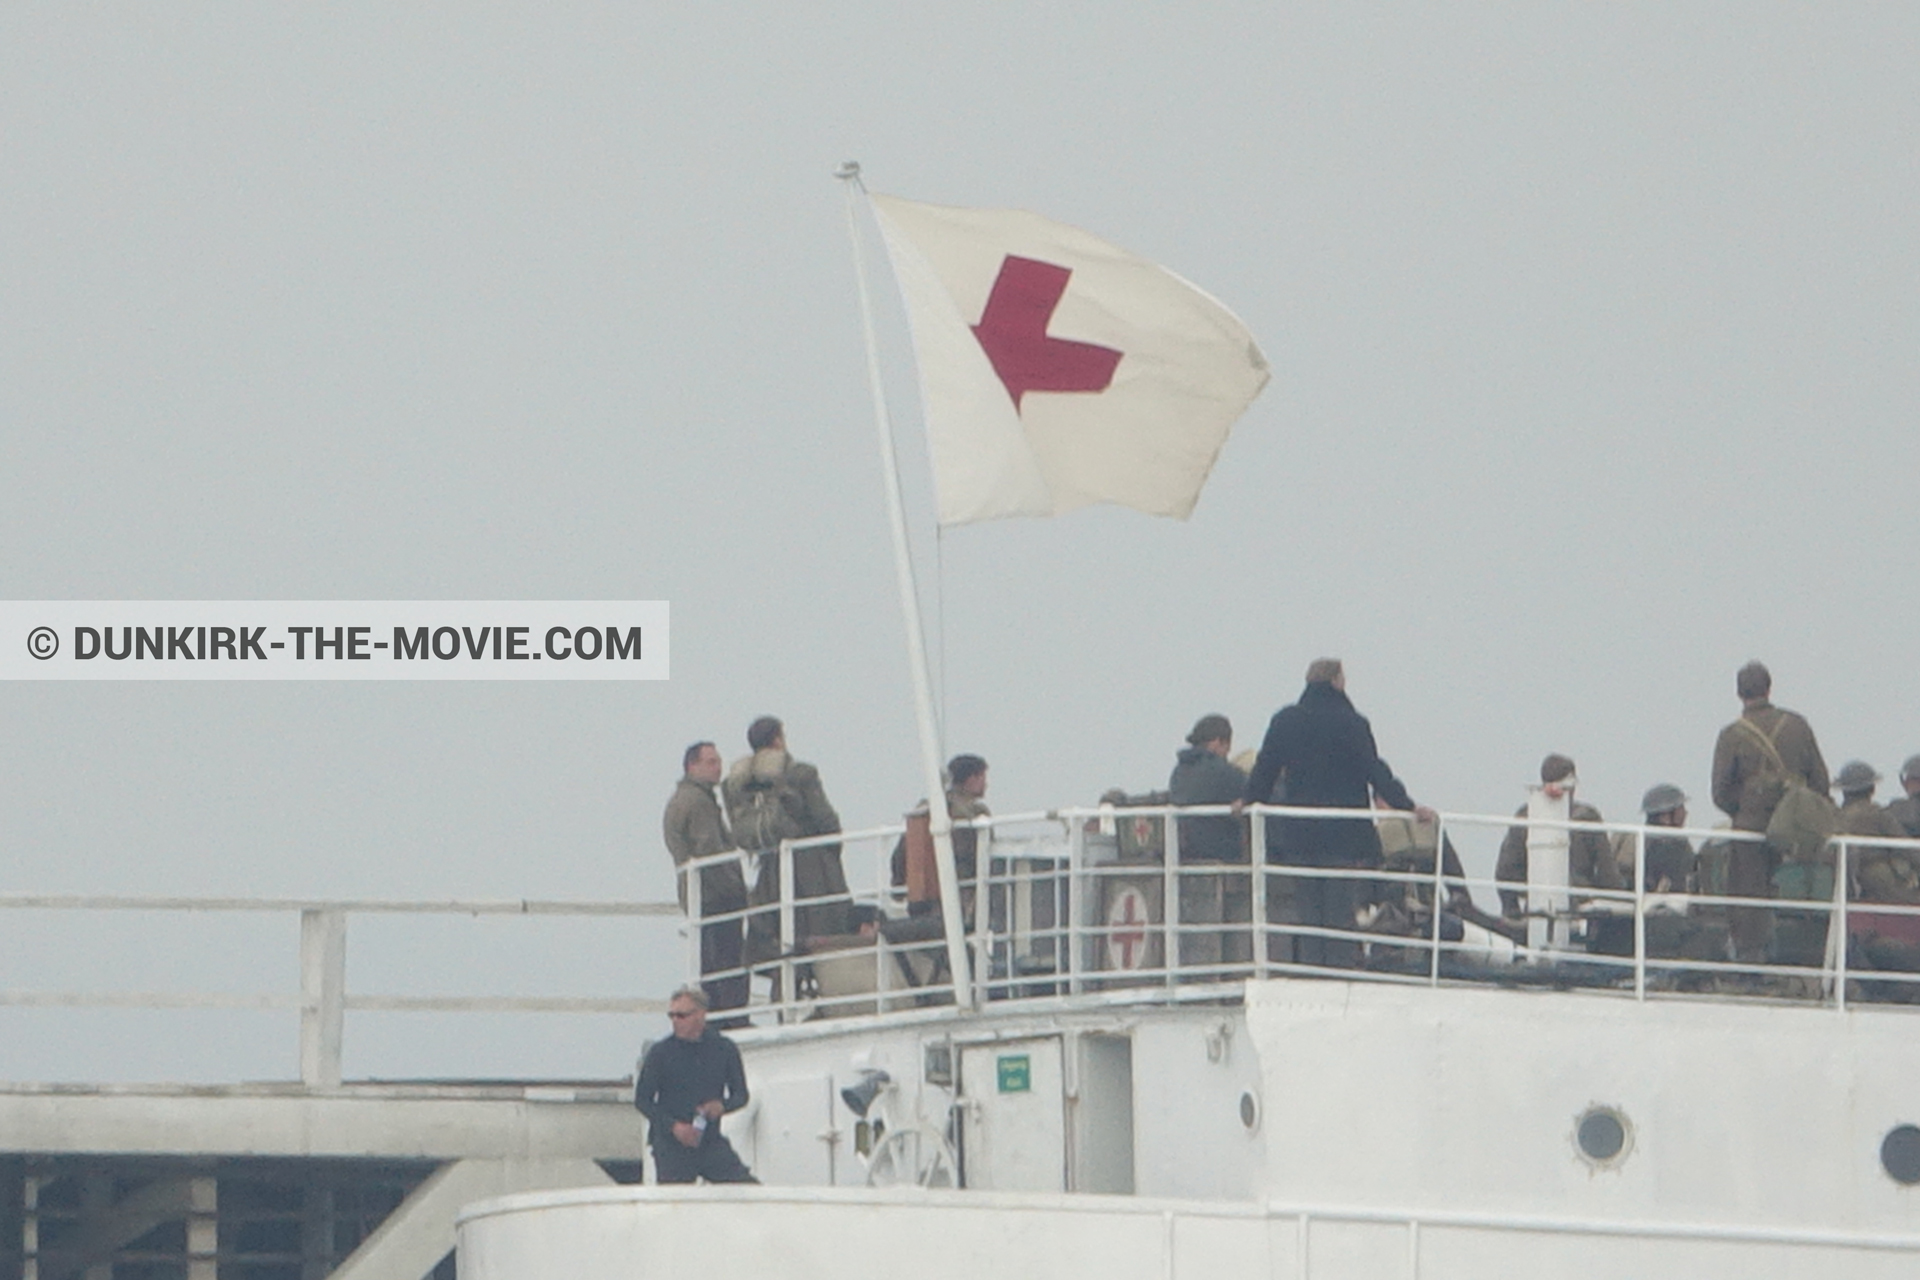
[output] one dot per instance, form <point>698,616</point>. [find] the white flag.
<point>1058,370</point>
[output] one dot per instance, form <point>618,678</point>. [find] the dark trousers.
<point>1326,904</point>
<point>1322,844</point>
<point>714,1160</point>
<point>1750,869</point>
<point>721,949</point>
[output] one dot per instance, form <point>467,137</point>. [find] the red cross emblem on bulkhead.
<point>1127,927</point>
<point>1013,333</point>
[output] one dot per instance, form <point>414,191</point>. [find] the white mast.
<point>939,820</point>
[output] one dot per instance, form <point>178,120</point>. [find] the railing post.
<point>1439,889</point>
<point>1262,889</point>
<point>1076,903</point>
<point>691,876</point>
<point>203,1229</point>
<point>1843,858</point>
<point>883,898</point>
<point>323,994</point>
<point>980,953</point>
<point>1170,894</point>
<point>789,995</point>
<point>1640,914</point>
<point>30,1229</point>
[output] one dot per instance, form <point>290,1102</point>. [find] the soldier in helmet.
<point>1672,867</point>
<point>1882,874</point>
<point>1906,811</point>
<point>1669,858</point>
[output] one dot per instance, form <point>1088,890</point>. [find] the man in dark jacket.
<point>1751,761</point>
<point>1325,751</point>
<point>687,1082</point>
<point>693,828</point>
<point>1203,774</point>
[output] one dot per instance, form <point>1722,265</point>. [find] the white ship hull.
<point>1312,1128</point>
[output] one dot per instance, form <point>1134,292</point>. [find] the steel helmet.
<point>1663,798</point>
<point>1856,775</point>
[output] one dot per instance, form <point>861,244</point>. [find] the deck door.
<point>1015,1108</point>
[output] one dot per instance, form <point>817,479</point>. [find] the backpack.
<point>1804,820</point>
<point>766,816</point>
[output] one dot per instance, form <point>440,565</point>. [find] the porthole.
<point>1900,1154</point>
<point>1602,1135</point>
<point>1249,1111</point>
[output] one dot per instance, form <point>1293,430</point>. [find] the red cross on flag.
<point>1058,370</point>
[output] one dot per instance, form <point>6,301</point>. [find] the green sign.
<point>1016,1073</point>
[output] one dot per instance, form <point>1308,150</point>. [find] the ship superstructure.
<point>1592,1085</point>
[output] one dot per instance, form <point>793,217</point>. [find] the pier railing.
<point>323,998</point>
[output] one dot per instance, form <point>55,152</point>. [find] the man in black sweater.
<point>687,1082</point>
<point>1324,750</point>
<point>1203,774</point>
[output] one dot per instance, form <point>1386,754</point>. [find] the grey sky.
<point>1593,333</point>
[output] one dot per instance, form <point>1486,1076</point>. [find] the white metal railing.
<point>1090,903</point>
<point>1065,904</point>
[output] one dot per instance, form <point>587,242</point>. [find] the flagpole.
<point>938,819</point>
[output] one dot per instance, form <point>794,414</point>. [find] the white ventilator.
<point>1549,850</point>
